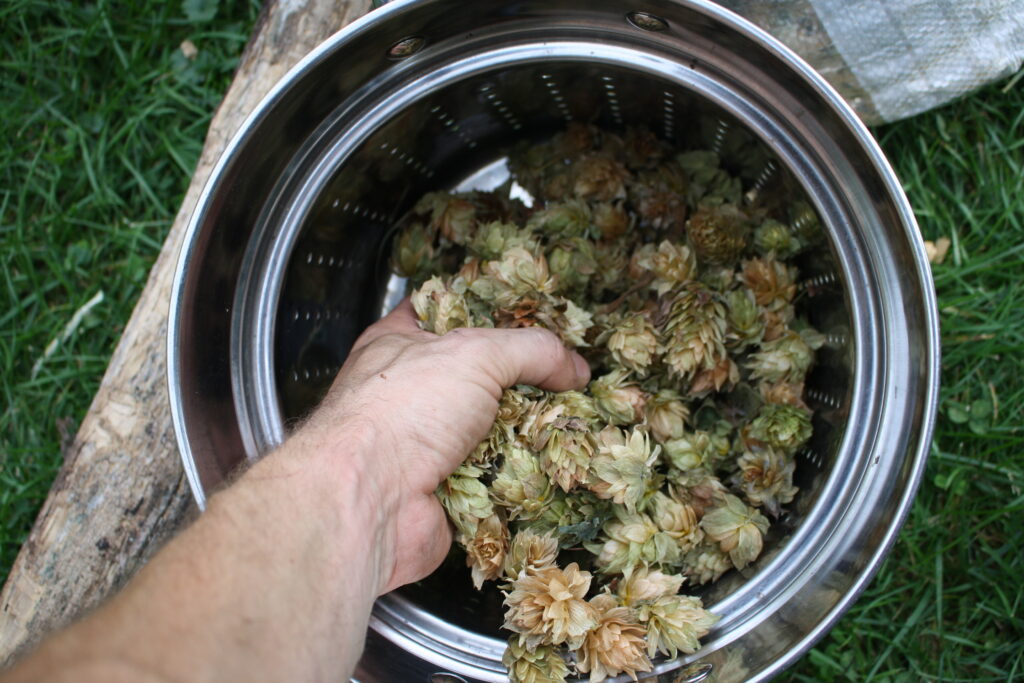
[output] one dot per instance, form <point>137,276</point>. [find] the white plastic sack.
<point>895,58</point>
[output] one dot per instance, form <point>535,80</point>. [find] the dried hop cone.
<point>486,551</point>
<point>571,218</point>
<point>454,217</point>
<point>632,540</point>
<point>675,623</point>
<point>765,477</point>
<point>622,469</point>
<point>615,645</point>
<point>521,486</point>
<point>543,664</point>
<point>786,359</point>
<point>694,332</point>
<point>634,342</point>
<point>666,415</point>
<point>782,426</point>
<point>548,607</point>
<point>738,530</point>
<point>773,237</point>
<point>441,307</point>
<point>465,498</point>
<point>645,585</point>
<point>718,233</point>
<point>706,563</point>
<point>566,447</point>
<point>529,553</point>
<point>618,399</point>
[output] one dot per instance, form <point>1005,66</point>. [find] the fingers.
<point>525,356</point>
<point>402,320</point>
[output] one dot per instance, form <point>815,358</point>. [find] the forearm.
<point>274,582</point>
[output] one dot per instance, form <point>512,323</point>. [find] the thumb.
<point>529,355</point>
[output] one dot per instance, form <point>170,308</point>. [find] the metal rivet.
<point>406,47</point>
<point>647,22</point>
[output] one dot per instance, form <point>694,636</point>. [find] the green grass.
<point>103,118</point>
<point>948,604</point>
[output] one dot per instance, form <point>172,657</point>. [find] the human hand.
<point>411,405</point>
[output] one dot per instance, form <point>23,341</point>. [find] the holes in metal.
<point>646,21</point>
<point>762,179</point>
<point>812,457</point>
<point>557,96</point>
<point>451,125</point>
<point>823,397</point>
<point>407,159</point>
<point>492,97</point>
<point>314,372</point>
<point>613,98</point>
<point>669,118</point>
<point>406,47</point>
<point>816,284</point>
<point>325,261</point>
<point>719,138</point>
<point>805,217</point>
<point>836,340</point>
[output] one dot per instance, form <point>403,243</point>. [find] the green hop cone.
<point>521,486</point>
<point>543,664</point>
<point>786,359</point>
<point>773,237</point>
<point>571,218</point>
<point>465,498</point>
<point>739,530</point>
<point>675,623</point>
<point>781,426</point>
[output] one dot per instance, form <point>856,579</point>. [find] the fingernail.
<point>582,368</point>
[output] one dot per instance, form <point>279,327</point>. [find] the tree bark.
<point>121,492</point>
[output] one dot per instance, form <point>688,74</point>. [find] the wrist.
<point>343,473</point>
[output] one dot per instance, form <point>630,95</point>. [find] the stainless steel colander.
<point>285,263</point>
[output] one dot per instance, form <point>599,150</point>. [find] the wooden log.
<point>121,491</point>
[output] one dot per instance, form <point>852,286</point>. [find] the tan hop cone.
<point>616,645</point>
<point>548,607</point>
<point>486,551</point>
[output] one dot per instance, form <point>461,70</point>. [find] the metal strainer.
<point>286,262</point>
